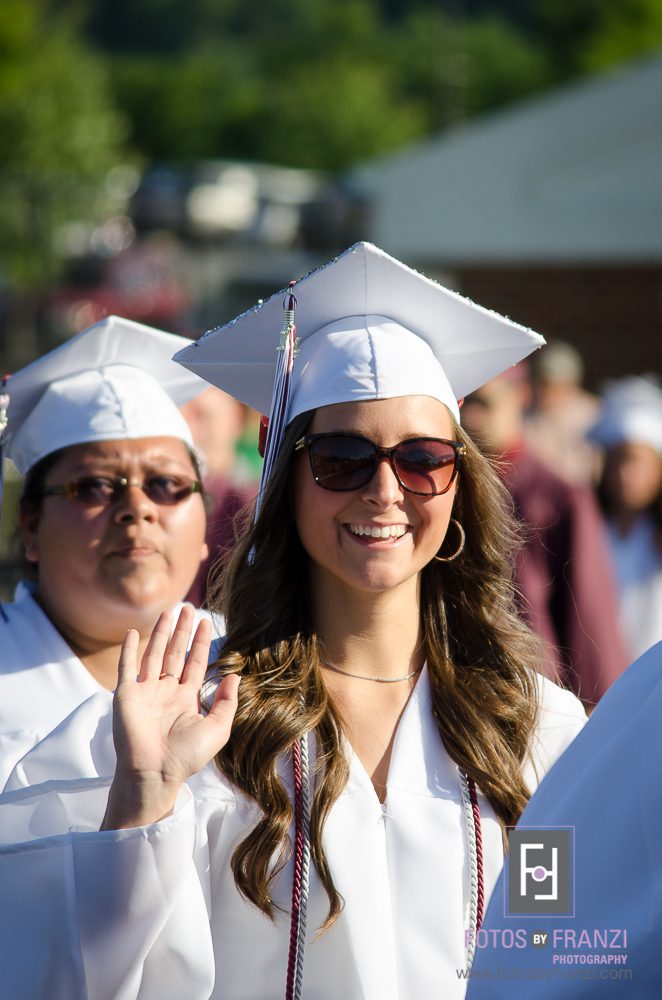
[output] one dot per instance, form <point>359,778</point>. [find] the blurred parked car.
<point>225,200</point>
<point>159,201</point>
<point>139,283</point>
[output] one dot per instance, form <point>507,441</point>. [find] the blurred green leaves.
<point>61,133</point>
<point>624,30</point>
<point>587,35</point>
<point>311,83</point>
<point>320,83</point>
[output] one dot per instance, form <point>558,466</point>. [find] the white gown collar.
<point>417,764</point>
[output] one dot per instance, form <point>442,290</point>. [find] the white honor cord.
<point>473,867</point>
<point>305,869</point>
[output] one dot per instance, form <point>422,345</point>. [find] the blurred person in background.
<point>217,422</point>
<point>112,522</point>
<point>561,413</point>
<point>563,571</point>
<point>249,460</point>
<point>629,430</point>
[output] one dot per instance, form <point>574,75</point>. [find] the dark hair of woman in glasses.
<point>30,503</point>
<point>479,656</point>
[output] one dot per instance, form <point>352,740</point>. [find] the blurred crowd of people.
<point>585,474</point>
<point>226,434</point>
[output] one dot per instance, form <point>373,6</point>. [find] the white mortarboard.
<point>631,412</point>
<point>368,327</point>
<point>113,381</point>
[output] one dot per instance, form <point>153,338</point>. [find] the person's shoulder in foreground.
<point>597,933</point>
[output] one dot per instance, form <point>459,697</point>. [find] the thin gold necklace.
<point>365,677</point>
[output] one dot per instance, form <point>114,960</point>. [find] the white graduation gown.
<point>607,786</point>
<point>154,913</point>
<point>42,680</point>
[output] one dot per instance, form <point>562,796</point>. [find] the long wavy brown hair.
<point>479,654</point>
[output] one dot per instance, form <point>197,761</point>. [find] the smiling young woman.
<point>389,724</point>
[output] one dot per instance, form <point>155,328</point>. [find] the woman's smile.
<point>378,530</point>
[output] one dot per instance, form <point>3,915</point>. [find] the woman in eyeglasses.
<point>390,723</point>
<point>111,519</point>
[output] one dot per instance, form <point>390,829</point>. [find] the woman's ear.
<point>28,527</point>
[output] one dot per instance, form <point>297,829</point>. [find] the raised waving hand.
<point>161,737</point>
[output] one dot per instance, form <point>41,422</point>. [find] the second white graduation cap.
<point>113,381</point>
<point>631,412</point>
<point>367,327</point>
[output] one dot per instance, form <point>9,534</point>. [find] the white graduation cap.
<point>367,327</point>
<point>631,412</point>
<point>113,381</point>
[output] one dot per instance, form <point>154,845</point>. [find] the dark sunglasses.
<point>100,491</point>
<point>344,462</point>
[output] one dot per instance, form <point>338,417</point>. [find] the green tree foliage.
<point>458,68</point>
<point>313,83</point>
<point>60,135</point>
<point>588,35</point>
<point>502,65</point>
<point>334,96</point>
<point>189,105</point>
<point>624,31</point>
<point>316,83</point>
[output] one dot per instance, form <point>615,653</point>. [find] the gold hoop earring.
<point>460,547</point>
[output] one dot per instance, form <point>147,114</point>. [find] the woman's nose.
<point>135,505</point>
<point>384,488</point>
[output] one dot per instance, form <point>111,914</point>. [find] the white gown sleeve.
<point>110,915</point>
<point>561,718</point>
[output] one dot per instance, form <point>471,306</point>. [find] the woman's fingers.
<point>175,654</point>
<point>152,662</point>
<point>166,655</point>
<point>198,658</point>
<point>128,666</point>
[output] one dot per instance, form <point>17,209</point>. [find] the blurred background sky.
<point>173,162</point>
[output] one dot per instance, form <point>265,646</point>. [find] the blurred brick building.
<point>550,212</point>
